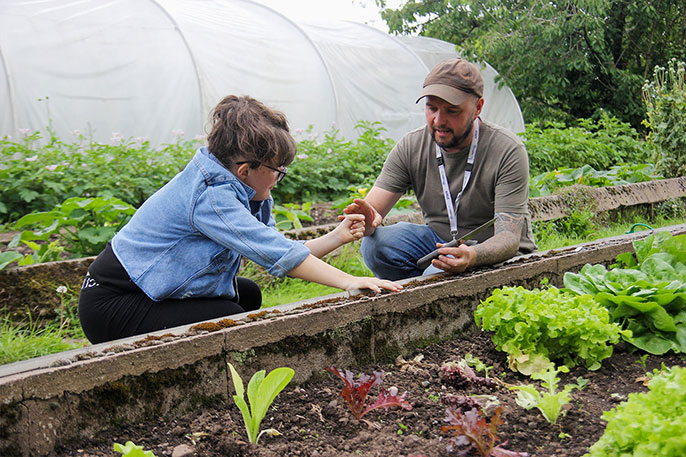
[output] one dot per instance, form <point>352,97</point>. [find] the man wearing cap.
<point>464,171</point>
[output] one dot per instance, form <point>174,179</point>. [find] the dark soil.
<point>315,421</point>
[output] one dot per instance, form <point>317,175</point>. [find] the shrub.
<point>665,99</point>
<point>600,144</point>
<point>323,171</point>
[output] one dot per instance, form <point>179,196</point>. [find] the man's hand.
<point>463,257</point>
<point>372,218</point>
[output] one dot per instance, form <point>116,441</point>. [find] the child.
<point>176,261</point>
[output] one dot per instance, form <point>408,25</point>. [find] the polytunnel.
<point>150,69</point>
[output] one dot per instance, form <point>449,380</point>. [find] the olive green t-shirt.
<point>499,180</point>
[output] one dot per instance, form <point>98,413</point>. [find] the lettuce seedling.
<point>355,392</point>
<point>261,393</point>
<point>550,402</point>
<point>460,375</point>
<point>131,450</point>
<point>473,431</point>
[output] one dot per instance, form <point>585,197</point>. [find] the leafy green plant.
<point>8,257</point>
<point>132,450</point>
<point>648,296</point>
<point>82,225</point>
<point>547,182</point>
<point>261,393</point>
<point>538,326</point>
<point>599,144</point>
<point>38,173</point>
<point>650,423</point>
<point>551,400</point>
<point>323,170</point>
<point>665,99</point>
<point>290,215</point>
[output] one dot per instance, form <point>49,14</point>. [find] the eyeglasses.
<point>281,170</point>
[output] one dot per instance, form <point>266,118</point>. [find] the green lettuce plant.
<point>647,296</point>
<point>538,326</point>
<point>650,423</point>
<point>262,390</point>
<point>131,450</point>
<point>549,401</point>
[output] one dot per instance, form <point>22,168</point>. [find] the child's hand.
<point>375,284</point>
<point>351,228</point>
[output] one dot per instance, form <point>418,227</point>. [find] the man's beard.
<point>456,141</point>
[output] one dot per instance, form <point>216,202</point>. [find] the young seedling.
<point>131,450</point>
<point>355,392</point>
<point>460,375</point>
<point>472,430</point>
<point>261,393</point>
<point>477,364</point>
<point>551,401</point>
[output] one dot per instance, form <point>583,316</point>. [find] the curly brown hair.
<point>244,129</point>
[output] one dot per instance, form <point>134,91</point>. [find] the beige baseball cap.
<point>453,80</point>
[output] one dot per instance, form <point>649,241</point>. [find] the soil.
<point>315,421</point>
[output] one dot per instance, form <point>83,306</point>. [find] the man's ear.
<point>479,106</point>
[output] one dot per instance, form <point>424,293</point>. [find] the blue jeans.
<point>392,252</point>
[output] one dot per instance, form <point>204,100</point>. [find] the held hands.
<point>463,257</point>
<point>351,228</point>
<point>372,218</point>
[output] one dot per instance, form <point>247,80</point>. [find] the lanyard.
<point>452,209</point>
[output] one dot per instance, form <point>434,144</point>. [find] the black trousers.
<point>111,306</point>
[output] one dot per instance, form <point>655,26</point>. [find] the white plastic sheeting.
<point>147,68</point>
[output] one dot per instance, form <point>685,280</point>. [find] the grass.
<point>31,340</point>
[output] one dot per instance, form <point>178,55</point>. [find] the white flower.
<point>62,290</point>
<point>302,156</point>
<point>24,131</point>
<point>76,132</point>
<point>329,151</point>
<point>178,133</point>
<point>199,137</point>
<point>31,159</point>
<point>51,167</point>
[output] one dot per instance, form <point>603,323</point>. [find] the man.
<point>432,161</point>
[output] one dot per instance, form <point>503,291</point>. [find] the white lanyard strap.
<point>452,209</point>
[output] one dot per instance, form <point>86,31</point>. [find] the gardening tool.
<point>425,261</point>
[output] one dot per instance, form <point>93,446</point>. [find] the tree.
<point>563,59</point>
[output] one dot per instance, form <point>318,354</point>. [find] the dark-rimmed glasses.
<point>281,170</point>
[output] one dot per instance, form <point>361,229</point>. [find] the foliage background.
<point>563,59</point>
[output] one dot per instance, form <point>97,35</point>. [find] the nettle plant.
<point>355,392</point>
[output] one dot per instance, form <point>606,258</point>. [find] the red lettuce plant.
<point>355,392</point>
<point>460,375</point>
<point>471,430</point>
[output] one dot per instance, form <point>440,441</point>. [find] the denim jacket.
<point>188,238</point>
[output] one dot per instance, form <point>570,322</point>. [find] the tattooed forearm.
<point>505,241</point>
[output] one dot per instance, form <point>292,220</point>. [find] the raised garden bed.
<point>315,421</point>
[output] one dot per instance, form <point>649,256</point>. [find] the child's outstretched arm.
<point>351,228</point>
<point>316,270</point>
